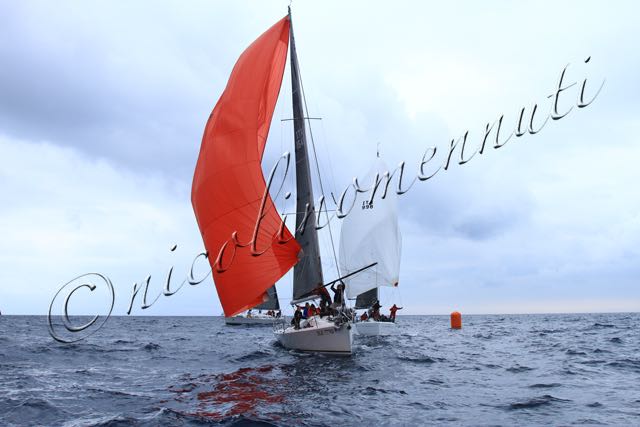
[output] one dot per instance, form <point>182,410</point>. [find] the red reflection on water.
<point>237,393</point>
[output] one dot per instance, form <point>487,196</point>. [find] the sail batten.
<point>228,185</point>
<point>307,274</point>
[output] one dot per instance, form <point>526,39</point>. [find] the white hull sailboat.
<point>317,335</point>
<point>370,234</point>
<point>256,319</point>
<point>249,246</point>
<point>259,315</point>
<point>374,328</point>
<point>322,335</point>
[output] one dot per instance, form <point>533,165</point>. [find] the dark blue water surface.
<point>497,370</point>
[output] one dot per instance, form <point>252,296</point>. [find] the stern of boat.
<point>320,336</point>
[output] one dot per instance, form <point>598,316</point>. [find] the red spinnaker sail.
<point>228,185</point>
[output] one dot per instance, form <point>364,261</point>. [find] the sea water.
<point>497,370</point>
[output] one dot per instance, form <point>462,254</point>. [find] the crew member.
<point>392,312</point>
<point>297,316</point>
<point>376,310</point>
<point>312,310</point>
<point>324,294</point>
<point>338,297</point>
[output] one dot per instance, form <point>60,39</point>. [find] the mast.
<point>307,273</point>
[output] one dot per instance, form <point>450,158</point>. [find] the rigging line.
<point>315,155</point>
<point>333,178</point>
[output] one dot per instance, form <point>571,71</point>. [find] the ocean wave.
<point>548,331</point>
<point>519,368</point>
<point>467,368</point>
<point>483,336</point>
<point>589,421</point>
<point>107,421</point>
<point>247,422</point>
<point>299,353</point>
<point>118,393</point>
<point>632,364</point>
<point>39,348</point>
<point>417,359</point>
<point>183,388</point>
<point>254,355</point>
<point>151,346</point>
<point>44,411</point>
<point>592,362</point>
<point>409,335</point>
<point>603,325</point>
<point>6,367</point>
<point>374,390</point>
<point>492,366</point>
<point>536,402</point>
<point>83,347</point>
<point>369,348</point>
<point>545,385</point>
<point>433,381</point>
<point>419,405</point>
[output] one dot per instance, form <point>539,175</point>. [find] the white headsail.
<point>370,233</point>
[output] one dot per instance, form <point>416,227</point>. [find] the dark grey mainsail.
<point>367,299</point>
<point>272,302</point>
<point>307,274</point>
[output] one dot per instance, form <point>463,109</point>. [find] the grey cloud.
<point>122,83</point>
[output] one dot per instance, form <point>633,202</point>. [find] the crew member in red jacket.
<point>392,312</point>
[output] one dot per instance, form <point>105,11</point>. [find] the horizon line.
<point>399,315</point>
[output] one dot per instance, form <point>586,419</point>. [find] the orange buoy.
<point>456,320</point>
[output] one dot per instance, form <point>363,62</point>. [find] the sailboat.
<point>248,244</point>
<point>255,316</point>
<point>370,234</point>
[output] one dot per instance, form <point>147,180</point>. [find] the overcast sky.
<point>103,104</point>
